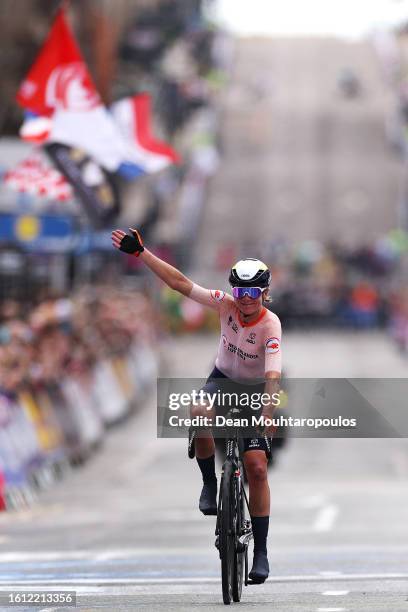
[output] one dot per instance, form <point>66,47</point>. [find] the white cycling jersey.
<point>246,350</point>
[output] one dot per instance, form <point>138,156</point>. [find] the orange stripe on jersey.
<point>261,316</point>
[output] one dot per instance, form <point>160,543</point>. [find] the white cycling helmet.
<point>250,272</point>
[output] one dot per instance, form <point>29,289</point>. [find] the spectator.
<point>364,305</point>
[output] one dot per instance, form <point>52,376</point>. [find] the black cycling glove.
<point>132,244</point>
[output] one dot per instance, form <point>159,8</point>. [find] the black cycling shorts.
<point>213,384</point>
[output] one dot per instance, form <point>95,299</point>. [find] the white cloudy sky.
<point>350,18</point>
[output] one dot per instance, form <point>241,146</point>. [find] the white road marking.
<point>332,574</point>
<point>325,518</point>
<point>97,555</point>
<point>193,580</point>
<point>335,593</point>
<point>327,512</point>
<point>128,553</point>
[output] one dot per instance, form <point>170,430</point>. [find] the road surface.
<point>124,532</point>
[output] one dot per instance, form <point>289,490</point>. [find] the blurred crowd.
<point>69,368</point>
<point>320,285</point>
<point>64,336</point>
<point>333,285</point>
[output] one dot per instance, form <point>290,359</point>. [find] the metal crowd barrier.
<point>45,430</point>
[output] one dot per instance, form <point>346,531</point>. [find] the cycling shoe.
<point>260,568</point>
<point>208,499</point>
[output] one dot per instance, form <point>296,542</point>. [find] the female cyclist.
<point>249,350</point>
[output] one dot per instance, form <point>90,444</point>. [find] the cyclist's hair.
<point>266,298</point>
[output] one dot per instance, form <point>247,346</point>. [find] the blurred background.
<point>290,129</point>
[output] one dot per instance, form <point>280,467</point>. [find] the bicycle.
<point>233,531</point>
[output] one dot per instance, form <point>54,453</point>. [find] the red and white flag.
<point>59,90</point>
<point>133,117</point>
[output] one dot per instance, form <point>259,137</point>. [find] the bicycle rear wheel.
<point>226,535</point>
<point>239,556</point>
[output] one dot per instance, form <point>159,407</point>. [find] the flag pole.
<point>64,6</point>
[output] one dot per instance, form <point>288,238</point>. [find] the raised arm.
<point>167,273</point>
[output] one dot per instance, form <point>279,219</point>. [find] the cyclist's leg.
<point>205,446</point>
<point>204,441</point>
<point>256,467</point>
<point>255,462</point>
<point>205,456</point>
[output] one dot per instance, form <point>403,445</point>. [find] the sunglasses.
<point>252,292</point>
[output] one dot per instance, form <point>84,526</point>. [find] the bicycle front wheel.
<point>226,534</point>
<point>239,556</point>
